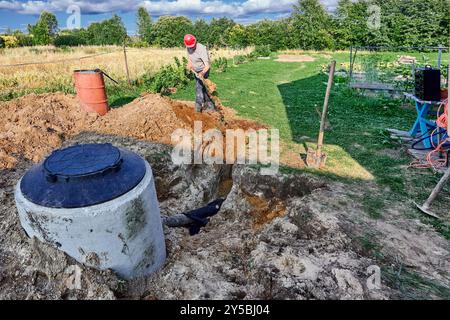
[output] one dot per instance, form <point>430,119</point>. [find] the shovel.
<point>317,158</point>
<point>426,207</point>
<point>210,90</point>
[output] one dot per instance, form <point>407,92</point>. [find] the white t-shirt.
<point>199,57</point>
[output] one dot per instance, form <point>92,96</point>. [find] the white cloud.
<point>216,7</point>
<point>93,6</point>
<point>10,5</point>
<point>161,7</point>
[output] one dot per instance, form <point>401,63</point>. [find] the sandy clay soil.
<point>34,125</point>
<point>294,58</point>
<point>287,236</point>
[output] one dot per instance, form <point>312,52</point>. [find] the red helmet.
<point>190,41</point>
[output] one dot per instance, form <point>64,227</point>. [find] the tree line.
<point>310,26</point>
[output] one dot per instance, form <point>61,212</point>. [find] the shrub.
<point>24,40</point>
<point>239,59</point>
<point>220,64</point>
<point>169,76</point>
<point>68,40</point>
<point>137,43</point>
<point>262,51</point>
<point>2,43</point>
<point>10,41</point>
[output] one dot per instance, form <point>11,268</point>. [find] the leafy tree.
<point>268,32</point>
<point>402,23</point>
<point>201,31</point>
<point>45,28</point>
<point>415,22</point>
<point>49,21</point>
<point>218,30</point>
<point>74,37</point>
<point>144,25</point>
<point>312,25</point>
<point>350,24</point>
<point>169,31</point>
<point>237,36</point>
<point>107,32</point>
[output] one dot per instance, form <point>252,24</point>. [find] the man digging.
<point>199,64</point>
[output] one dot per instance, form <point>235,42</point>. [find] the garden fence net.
<point>393,69</point>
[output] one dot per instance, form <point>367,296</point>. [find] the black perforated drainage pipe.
<point>195,219</point>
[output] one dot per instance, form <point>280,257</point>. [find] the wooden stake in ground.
<point>316,159</point>
<point>126,63</point>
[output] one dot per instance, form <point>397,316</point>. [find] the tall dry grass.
<point>54,75</point>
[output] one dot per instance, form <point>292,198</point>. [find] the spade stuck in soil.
<point>317,158</point>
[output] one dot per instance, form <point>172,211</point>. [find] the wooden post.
<point>126,63</point>
<point>351,63</point>
<point>325,108</point>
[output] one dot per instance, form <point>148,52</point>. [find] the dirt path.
<point>294,58</point>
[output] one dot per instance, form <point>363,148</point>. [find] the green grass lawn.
<point>285,96</point>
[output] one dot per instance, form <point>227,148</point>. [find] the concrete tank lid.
<point>82,175</point>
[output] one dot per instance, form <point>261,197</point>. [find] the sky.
<point>17,14</point>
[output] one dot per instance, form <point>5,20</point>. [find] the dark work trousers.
<point>202,97</point>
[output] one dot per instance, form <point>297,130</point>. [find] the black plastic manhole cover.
<point>82,160</point>
<point>83,175</point>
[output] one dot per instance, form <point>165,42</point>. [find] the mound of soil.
<point>35,125</point>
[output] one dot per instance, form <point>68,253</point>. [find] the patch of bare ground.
<point>294,58</point>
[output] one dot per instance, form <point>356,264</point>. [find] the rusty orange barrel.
<point>91,92</point>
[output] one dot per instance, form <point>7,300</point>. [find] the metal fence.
<point>393,68</point>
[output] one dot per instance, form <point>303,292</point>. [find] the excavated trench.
<point>267,241</point>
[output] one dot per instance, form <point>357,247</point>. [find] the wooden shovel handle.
<point>325,107</point>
